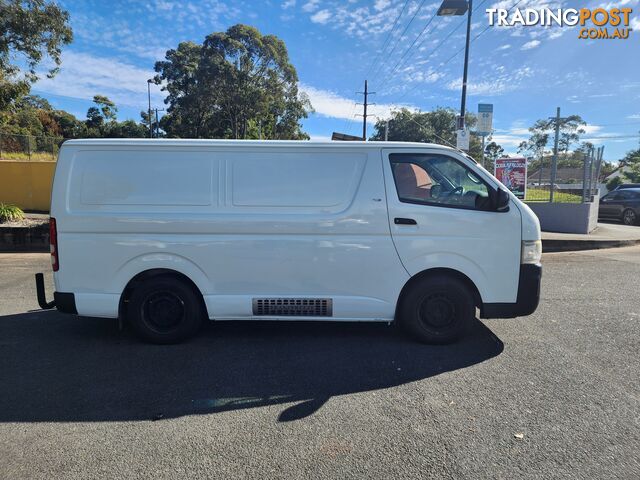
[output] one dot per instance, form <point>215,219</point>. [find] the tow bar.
<point>42,298</point>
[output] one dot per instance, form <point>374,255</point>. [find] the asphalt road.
<point>554,395</point>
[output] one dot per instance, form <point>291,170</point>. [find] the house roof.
<point>562,174</point>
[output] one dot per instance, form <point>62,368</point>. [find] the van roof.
<point>245,143</point>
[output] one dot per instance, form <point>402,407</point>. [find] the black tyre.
<point>629,217</point>
<point>436,309</point>
<point>165,310</point>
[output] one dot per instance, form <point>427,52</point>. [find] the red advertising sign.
<point>512,172</point>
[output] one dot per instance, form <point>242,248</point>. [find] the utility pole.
<point>366,103</point>
<point>158,122</point>
<point>386,130</point>
<point>554,162</point>
<point>585,162</point>
<point>149,111</point>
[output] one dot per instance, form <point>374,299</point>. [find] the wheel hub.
<point>437,311</point>
<point>163,310</point>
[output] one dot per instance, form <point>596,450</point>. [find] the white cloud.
<point>321,17</point>
<point>635,116</point>
<point>83,76</point>
<point>618,4</point>
<point>556,34</point>
<point>288,4</point>
<point>311,5</point>
<point>330,104</point>
<point>363,22</point>
<point>132,27</point>
<point>590,129</point>
<point>508,141</point>
<point>503,81</point>
<point>531,44</point>
<point>504,47</point>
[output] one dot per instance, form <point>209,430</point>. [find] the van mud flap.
<point>42,298</point>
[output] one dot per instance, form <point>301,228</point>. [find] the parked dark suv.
<point>623,204</point>
<point>623,186</point>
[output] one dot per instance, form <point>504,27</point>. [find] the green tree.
<point>125,129</point>
<point>29,31</point>
<point>613,183</point>
<point>632,162</point>
<point>103,112</point>
<point>437,126</point>
<point>492,151</point>
<point>535,147</point>
<point>543,130</point>
<point>236,83</point>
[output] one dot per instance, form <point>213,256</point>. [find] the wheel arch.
<point>141,277</point>
<point>446,272</point>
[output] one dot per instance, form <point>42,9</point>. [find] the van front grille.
<point>293,307</point>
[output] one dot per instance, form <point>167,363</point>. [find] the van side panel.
<point>242,223</point>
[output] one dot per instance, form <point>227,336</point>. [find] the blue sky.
<point>335,44</point>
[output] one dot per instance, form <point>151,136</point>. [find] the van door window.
<point>438,180</point>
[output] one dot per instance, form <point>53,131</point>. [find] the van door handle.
<point>404,221</point>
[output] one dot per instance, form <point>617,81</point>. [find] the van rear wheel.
<point>165,310</point>
<point>436,309</point>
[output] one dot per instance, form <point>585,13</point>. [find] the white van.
<point>166,233</point>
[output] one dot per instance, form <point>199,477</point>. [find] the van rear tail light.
<point>53,243</point>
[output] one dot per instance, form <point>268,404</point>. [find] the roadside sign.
<point>512,172</point>
<point>485,119</point>
<point>462,140</point>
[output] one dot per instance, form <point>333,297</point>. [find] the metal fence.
<point>546,185</point>
<point>29,148</point>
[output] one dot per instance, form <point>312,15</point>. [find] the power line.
<point>386,41</point>
<point>458,52</point>
<point>346,122</point>
<point>402,57</point>
<point>589,137</point>
<point>390,76</point>
<point>612,124</point>
<point>395,45</point>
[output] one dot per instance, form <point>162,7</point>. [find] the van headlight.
<point>531,251</point>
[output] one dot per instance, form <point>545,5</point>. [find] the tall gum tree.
<point>237,84</point>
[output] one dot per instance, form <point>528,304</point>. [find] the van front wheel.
<point>165,310</point>
<point>436,309</point>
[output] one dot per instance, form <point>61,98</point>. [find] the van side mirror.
<point>502,200</point>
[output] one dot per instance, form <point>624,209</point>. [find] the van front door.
<point>441,216</point>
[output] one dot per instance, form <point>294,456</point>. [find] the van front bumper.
<point>527,300</point>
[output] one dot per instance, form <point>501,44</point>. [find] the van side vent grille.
<point>293,307</point>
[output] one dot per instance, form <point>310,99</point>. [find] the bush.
<point>10,213</point>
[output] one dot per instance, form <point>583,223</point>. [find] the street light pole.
<point>149,111</point>
<point>466,66</point>
<point>457,8</point>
